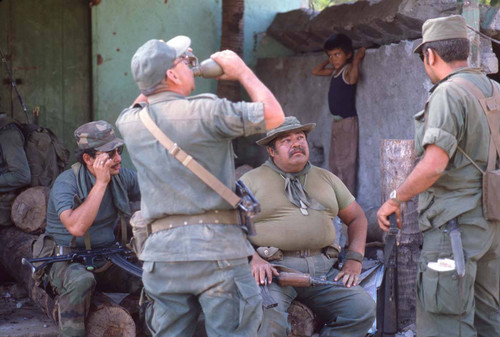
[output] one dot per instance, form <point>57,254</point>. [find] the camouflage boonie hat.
<point>97,135</point>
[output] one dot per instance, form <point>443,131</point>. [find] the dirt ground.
<point>19,316</point>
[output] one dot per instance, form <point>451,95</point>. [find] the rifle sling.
<point>188,161</point>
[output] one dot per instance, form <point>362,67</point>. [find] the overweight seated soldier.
<point>88,199</point>
<point>295,230</point>
<point>14,169</point>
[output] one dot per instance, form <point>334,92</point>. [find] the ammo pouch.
<point>44,246</point>
<point>491,195</point>
<point>270,253</point>
<point>140,232</point>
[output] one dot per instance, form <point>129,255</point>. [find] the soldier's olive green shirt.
<point>203,126</point>
<point>281,224</point>
<point>454,117</point>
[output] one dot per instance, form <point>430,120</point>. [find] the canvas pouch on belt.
<point>44,246</point>
<point>140,232</point>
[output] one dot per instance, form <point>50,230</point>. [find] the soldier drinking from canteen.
<point>196,258</point>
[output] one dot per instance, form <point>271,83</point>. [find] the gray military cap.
<point>152,60</point>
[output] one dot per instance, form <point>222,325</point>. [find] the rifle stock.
<point>303,280</point>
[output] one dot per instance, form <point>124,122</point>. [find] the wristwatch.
<point>393,197</point>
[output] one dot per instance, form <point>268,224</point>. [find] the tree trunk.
<point>303,321</point>
<point>29,210</point>
<point>397,160</point>
<point>105,317</point>
<point>232,38</point>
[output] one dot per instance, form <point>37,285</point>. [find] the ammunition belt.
<point>302,252</point>
<point>223,217</point>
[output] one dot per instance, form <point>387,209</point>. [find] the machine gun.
<point>248,207</point>
<point>288,279</point>
<point>117,254</point>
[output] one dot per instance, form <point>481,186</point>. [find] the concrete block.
<point>367,23</point>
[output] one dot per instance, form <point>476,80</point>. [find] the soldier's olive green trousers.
<point>346,312</point>
<point>438,295</point>
<point>224,290</point>
<point>75,285</point>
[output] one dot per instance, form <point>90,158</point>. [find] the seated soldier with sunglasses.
<point>86,203</point>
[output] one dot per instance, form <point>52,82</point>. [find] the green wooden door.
<point>47,44</point>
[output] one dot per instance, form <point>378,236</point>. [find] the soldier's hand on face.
<point>102,165</point>
<point>262,269</point>
<point>349,273</point>
<point>234,67</point>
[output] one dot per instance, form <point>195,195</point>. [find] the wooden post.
<point>397,160</point>
<point>470,12</point>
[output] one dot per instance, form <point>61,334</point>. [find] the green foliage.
<point>319,5</point>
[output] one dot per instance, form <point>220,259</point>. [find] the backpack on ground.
<point>47,156</point>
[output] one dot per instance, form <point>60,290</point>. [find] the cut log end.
<point>29,209</point>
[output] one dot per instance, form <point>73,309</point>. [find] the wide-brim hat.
<point>445,28</point>
<point>290,124</point>
<point>152,60</point>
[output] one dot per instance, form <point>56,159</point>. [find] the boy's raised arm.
<point>320,69</point>
<point>353,75</point>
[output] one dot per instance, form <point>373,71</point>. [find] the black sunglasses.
<point>112,153</point>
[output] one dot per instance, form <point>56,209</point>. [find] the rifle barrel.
<point>13,83</point>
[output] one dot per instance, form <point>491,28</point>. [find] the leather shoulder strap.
<point>188,161</point>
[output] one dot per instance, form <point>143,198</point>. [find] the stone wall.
<point>392,88</point>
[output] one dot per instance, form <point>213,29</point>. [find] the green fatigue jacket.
<point>68,192</point>
<point>454,118</point>
<point>203,126</point>
<point>280,224</point>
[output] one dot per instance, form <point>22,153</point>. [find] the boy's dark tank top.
<point>341,96</point>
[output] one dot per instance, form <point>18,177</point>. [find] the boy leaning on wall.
<point>342,66</point>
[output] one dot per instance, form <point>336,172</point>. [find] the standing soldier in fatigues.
<point>197,255</point>
<point>450,191</point>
